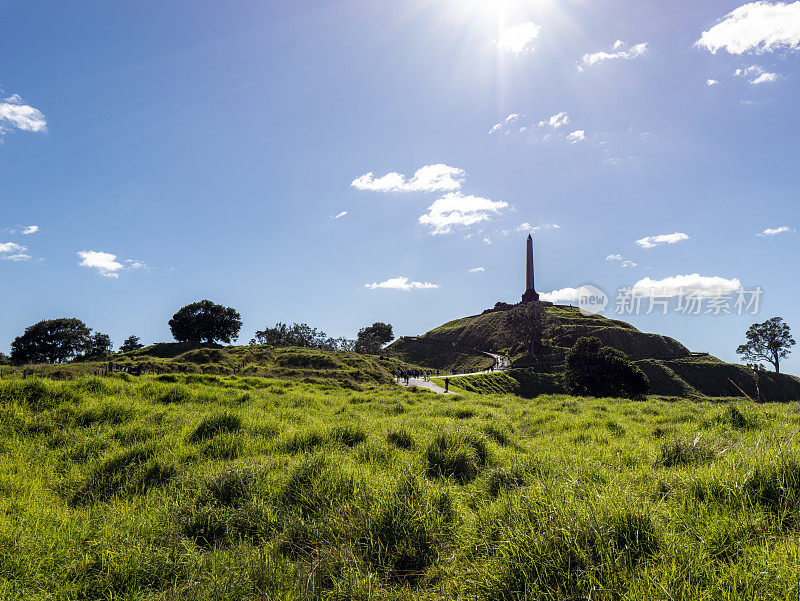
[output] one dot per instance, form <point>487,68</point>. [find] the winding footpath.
<point>501,363</point>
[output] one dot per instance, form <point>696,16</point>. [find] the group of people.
<point>407,374</point>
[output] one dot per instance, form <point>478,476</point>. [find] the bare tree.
<point>769,341</point>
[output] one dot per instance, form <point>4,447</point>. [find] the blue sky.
<point>201,149</point>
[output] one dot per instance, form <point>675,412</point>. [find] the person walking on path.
<point>447,384</point>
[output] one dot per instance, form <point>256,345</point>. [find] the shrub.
<point>216,424</point>
<point>458,455</point>
<point>597,370</point>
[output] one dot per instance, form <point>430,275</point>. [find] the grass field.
<point>221,487</point>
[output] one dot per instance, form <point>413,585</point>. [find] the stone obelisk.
<point>530,290</point>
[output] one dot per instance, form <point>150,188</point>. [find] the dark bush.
<point>597,370</point>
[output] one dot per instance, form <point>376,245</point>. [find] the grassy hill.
<point>671,368</point>
<point>306,364</point>
<point>204,486</point>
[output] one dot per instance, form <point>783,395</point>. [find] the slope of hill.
<point>671,368</point>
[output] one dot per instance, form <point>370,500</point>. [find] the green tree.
<point>51,341</point>
<point>769,341</point>
<point>371,339</point>
<point>204,321</point>
<point>597,370</point>
<point>98,346</point>
<point>131,344</point>
<point>5,359</point>
<point>526,324</point>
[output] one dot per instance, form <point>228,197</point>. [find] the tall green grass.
<point>219,487</point>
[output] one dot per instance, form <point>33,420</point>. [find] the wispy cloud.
<point>477,270</point>
<point>711,82</point>
<point>519,38</point>
<point>29,229</point>
<point>681,285</point>
<point>578,135</point>
<point>401,283</point>
<point>339,215</point>
<point>107,264</point>
<point>775,231</point>
<point>558,120</point>
<point>622,260</point>
<point>455,209</point>
<point>652,241</point>
<point>527,227</point>
<point>757,75</point>
<point>755,27</point>
<point>430,178</point>
<point>11,247</point>
<point>619,50</point>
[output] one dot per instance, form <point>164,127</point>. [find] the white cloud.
<point>757,75</point>
<point>476,269</point>
<point>15,114</point>
<point>711,82</point>
<point>614,258</point>
<point>626,263</point>
<point>775,231</point>
<point>487,240</point>
<point>105,263</point>
<point>565,295</point>
<point>621,260</point>
<point>519,38</point>
<point>527,227</point>
<point>505,124</point>
<point>430,178</point>
<point>455,209</point>
<point>755,27</point>
<point>682,285</point>
<point>556,121</point>
<point>11,247</point>
<point>651,241</point>
<point>339,215</point>
<point>29,229</point>
<point>16,257</point>
<point>577,136</point>
<point>401,283</point>
<point>620,50</point>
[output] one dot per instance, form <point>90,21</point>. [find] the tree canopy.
<point>303,335</point>
<point>205,321</point>
<point>371,339</point>
<point>769,341</point>
<point>132,343</point>
<point>51,341</point>
<point>597,370</point>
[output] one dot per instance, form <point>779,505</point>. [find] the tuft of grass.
<point>680,452</point>
<point>776,487</point>
<point>505,480</point>
<point>174,395</point>
<point>211,426</point>
<point>401,438</point>
<point>348,435</point>
<point>736,419</point>
<point>456,454</point>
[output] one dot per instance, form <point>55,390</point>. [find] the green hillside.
<point>671,368</point>
<point>221,488</point>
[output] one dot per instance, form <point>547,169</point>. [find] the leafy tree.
<point>204,321</point>
<point>371,339</point>
<point>526,324</point>
<point>597,370</point>
<point>131,344</point>
<point>98,346</point>
<point>51,341</point>
<point>5,359</point>
<point>300,334</point>
<point>769,341</point>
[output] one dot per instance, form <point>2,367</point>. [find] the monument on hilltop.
<point>530,290</point>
